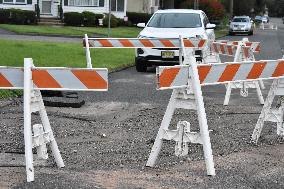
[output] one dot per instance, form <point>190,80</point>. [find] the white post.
<point>207,150</point>
<point>28,62</point>
<point>229,86</point>
<point>53,143</point>
<point>88,55</point>
<point>164,125</point>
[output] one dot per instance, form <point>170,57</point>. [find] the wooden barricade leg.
<point>27,120</point>
<point>269,114</point>
<point>42,133</point>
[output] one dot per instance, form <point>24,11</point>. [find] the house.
<point>50,8</point>
<point>149,6</point>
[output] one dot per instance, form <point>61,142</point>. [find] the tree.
<point>213,8</point>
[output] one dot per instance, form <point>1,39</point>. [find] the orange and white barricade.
<point>33,79</point>
<point>268,26</point>
<point>191,45</point>
<point>241,51</point>
<point>186,81</point>
<point>167,43</point>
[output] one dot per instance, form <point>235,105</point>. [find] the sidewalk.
<point>4,34</point>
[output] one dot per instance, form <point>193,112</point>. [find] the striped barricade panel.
<point>144,43</point>
<point>56,79</point>
<point>212,74</point>
<point>255,46</point>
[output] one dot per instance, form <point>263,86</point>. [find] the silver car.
<point>241,24</point>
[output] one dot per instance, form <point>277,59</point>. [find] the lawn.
<point>72,31</point>
<point>129,32</point>
<point>59,55</point>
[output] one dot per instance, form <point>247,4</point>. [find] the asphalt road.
<point>106,143</point>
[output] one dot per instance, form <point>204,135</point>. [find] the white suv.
<point>171,24</point>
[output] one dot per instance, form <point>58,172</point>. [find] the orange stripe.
<point>257,48</point>
<point>167,77</point>
<point>222,48</point>
<point>126,43</point>
<point>91,79</point>
<point>279,71</point>
<point>215,47</point>
<point>246,51</point>
<point>167,43</point>
<point>105,43</point>
<point>187,43</point>
<point>248,44</point>
<point>229,72</point>
<point>235,43</point>
<point>146,43</point>
<point>42,79</point>
<point>256,70</point>
<point>4,82</point>
<point>203,72</point>
<point>201,43</point>
<point>230,50</point>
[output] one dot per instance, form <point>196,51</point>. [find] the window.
<point>175,20</point>
<point>117,5</point>
<point>15,1</point>
<point>83,3</point>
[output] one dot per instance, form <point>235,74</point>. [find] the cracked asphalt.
<point>106,143</point>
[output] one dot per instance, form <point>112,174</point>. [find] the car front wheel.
<point>140,64</point>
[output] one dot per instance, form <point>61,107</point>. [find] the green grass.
<point>80,31</point>
<point>59,55</point>
<point>71,31</point>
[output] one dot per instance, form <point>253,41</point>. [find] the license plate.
<point>168,54</point>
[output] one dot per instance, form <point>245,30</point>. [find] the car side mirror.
<point>210,26</point>
<point>141,25</point>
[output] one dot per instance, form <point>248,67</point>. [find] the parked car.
<point>171,24</point>
<point>265,19</point>
<point>241,24</point>
<point>258,19</point>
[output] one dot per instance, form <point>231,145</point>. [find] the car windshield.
<point>240,20</point>
<point>175,20</point>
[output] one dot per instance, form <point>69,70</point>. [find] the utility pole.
<point>231,8</point>
<point>196,4</point>
<point>109,16</point>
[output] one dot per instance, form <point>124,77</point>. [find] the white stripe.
<point>66,79</point>
<point>181,77</point>
<point>215,73</point>
<point>103,74</point>
<point>14,76</point>
<point>269,69</point>
<point>243,71</point>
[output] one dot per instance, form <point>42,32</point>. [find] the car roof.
<point>179,11</point>
<point>241,16</point>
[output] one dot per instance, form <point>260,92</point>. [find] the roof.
<point>179,11</point>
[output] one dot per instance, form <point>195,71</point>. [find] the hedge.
<point>114,22</point>
<point>17,16</point>
<point>136,18</point>
<point>85,18</point>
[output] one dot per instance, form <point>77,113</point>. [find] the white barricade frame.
<point>30,80</point>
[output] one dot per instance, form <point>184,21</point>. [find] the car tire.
<point>140,65</point>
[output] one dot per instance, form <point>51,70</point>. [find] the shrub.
<point>136,18</point>
<point>4,16</point>
<point>17,16</point>
<point>113,21</point>
<point>213,8</point>
<point>31,17</point>
<point>73,18</point>
<point>89,18</point>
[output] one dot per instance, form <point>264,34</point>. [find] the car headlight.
<point>142,36</point>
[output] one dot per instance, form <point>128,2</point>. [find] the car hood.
<point>172,32</point>
<point>240,23</point>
